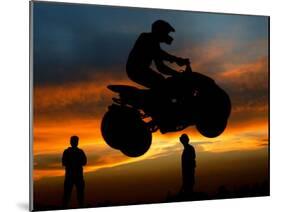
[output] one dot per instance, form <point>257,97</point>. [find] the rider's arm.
<point>161,67</point>
<point>168,57</point>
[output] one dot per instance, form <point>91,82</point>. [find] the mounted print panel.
<point>138,106</point>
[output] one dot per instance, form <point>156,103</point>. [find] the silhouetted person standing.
<point>147,49</point>
<point>188,165</point>
<point>73,160</point>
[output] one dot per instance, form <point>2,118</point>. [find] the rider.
<point>147,49</point>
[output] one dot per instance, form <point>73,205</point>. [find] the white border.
<point>14,111</point>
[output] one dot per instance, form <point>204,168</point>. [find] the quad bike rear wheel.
<point>123,129</point>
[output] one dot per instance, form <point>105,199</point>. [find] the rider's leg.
<point>146,77</point>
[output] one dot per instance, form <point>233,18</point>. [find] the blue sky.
<point>72,39</point>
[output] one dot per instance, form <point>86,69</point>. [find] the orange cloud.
<point>253,75</point>
<point>244,136</point>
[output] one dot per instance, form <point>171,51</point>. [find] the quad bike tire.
<point>123,129</point>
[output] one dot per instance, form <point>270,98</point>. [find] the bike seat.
<point>122,88</point>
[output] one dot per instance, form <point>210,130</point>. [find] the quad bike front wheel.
<point>211,130</point>
<point>213,111</point>
<point>123,129</point>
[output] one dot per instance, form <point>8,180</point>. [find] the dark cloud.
<point>72,41</point>
<point>91,107</point>
<point>78,44</point>
<point>47,161</point>
<point>247,86</point>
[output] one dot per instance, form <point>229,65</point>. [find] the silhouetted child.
<point>74,159</point>
<point>188,165</point>
<point>147,49</point>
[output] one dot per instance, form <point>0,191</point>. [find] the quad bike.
<point>188,98</point>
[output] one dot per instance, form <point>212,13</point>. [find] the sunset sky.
<point>80,49</point>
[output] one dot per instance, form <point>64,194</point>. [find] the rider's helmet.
<point>162,29</point>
